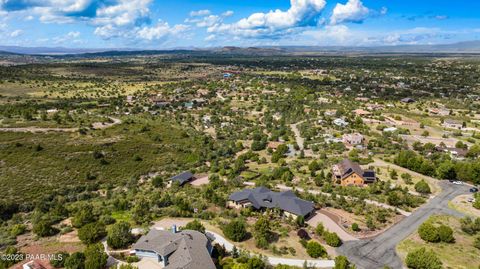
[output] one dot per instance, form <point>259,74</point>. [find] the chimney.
<point>174,228</point>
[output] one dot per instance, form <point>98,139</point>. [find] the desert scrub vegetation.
<point>29,161</point>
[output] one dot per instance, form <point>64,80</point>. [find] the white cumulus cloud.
<point>302,13</point>
<point>16,33</point>
<point>352,11</point>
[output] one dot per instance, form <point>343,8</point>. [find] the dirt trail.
<point>33,129</point>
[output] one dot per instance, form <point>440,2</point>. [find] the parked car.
<point>471,199</point>
<point>474,189</point>
<point>457,182</point>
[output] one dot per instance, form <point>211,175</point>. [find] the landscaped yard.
<point>460,254</point>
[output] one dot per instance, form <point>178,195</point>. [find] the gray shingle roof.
<point>185,250</point>
<point>183,177</point>
<point>262,197</point>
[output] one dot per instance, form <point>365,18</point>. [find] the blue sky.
<point>157,24</point>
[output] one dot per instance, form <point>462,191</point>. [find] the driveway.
<point>215,237</point>
<point>380,251</point>
<point>330,225</point>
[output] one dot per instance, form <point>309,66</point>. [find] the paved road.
<point>215,237</point>
<point>379,251</point>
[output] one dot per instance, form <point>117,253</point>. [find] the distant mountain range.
<point>461,47</point>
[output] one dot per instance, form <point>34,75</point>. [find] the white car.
<point>471,199</point>
<point>457,182</point>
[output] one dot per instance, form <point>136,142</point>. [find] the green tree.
<point>119,235</point>
<point>332,239</point>
<point>75,261</point>
<point>83,216</point>
<point>446,234</point>
<point>195,225</point>
<point>341,262</point>
<point>423,259</point>
<point>300,221</point>
<point>157,182</point>
<point>60,258</point>
<point>141,211</point>
<point>236,230</point>
<point>262,232</point>
<point>394,174</point>
<point>476,243</point>
<point>422,187</point>
<point>446,170</point>
<point>320,229</point>
<point>44,228</point>
<point>315,250</point>
<point>355,227</point>
<point>428,232</point>
<point>95,257</point>
<point>92,232</point>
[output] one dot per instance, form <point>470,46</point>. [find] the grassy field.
<point>461,254</point>
<point>35,164</point>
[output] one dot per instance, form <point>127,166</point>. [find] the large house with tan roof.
<point>348,173</point>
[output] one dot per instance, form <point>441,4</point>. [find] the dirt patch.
<point>462,204</point>
<point>200,180</point>
<point>71,237</point>
<point>345,220</point>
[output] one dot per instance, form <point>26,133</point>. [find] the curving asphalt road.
<point>380,251</point>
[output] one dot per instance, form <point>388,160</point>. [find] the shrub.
<point>315,250</point>
<point>300,221</point>
<point>446,234</point>
<point>59,260</point>
<point>44,228</point>
<point>476,243</point>
<point>18,230</point>
<point>95,257</point>
<point>195,225</point>
<point>92,233</point>
<point>341,262</point>
<point>119,235</point>
<point>423,259</point>
<point>303,234</point>
<point>355,227</point>
<point>422,187</point>
<point>236,230</point>
<point>332,239</point>
<point>428,232</point>
<point>319,229</point>
<point>75,261</point>
<point>131,259</point>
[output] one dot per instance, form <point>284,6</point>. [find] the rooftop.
<point>262,197</point>
<point>186,249</point>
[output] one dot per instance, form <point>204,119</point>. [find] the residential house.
<point>353,139</point>
<point>340,122</point>
<point>181,178</point>
<point>454,152</point>
<point>274,144</point>
<point>36,264</point>
<point>186,249</point>
<point>159,101</point>
<point>262,198</point>
<point>348,173</point>
<point>390,129</point>
<point>408,100</point>
<point>361,113</point>
<point>453,124</point>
